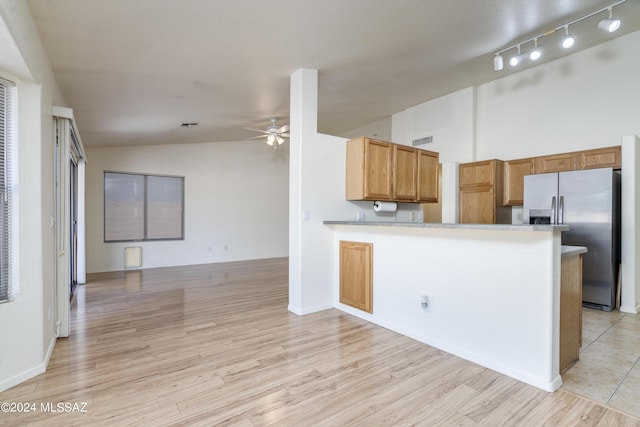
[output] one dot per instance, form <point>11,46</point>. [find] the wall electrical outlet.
<point>424,302</point>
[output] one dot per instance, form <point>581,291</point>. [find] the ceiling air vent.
<point>189,125</point>
<point>422,141</point>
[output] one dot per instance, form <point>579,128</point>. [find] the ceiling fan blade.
<point>258,130</point>
<point>284,128</point>
<point>259,136</point>
<point>286,135</point>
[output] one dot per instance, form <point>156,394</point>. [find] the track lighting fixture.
<point>536,53</point>
<point>517,59</point>
<point>609,24</point>
<point>498,63</point>
<point>568,41</point>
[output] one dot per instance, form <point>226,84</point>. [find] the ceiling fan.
<point>275,135</point>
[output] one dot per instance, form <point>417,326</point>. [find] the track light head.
<point>498,62</point>
<point>536,53</point>
<point>609,24</point>
<point>568,41</point>
<point>517,59</point>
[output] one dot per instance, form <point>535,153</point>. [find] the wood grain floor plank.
<point>215,345</point>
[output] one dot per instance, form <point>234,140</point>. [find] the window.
<point>7,192</point>
<point>143,207</point>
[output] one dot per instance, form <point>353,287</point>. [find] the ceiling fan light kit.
<point>609,24</point>
<point>275,136</point>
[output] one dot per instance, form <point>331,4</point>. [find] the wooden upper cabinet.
<point>555,163</point>
<point>477,205</point>
<point>514,173</point>
<point>428,176</point>
<point>380,170</point>
<point>478,173</point>
<point>368,169</point>
<point>405,170</point>
<point>610,157</point>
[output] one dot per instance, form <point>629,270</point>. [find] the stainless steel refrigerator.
<point>589,203</point>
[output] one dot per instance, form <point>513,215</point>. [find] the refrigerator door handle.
<point>561,210</point>
<point>553,210</point>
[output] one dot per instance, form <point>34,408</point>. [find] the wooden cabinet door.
<point>405,164</point>
<point>428,176</point>
<point>477,205</point>
<point>368,174</point>
<point>356,275</point>
<point>478,173</point>
<point>377,170</point>
<point>610,157</point>
<point>570,310</point>
<point>555,163</point>
<point>514,173</point>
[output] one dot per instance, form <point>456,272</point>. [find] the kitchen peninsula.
<point>492,292</point>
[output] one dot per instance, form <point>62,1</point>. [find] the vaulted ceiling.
<point>134,70</point>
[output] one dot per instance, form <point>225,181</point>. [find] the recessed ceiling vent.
<point>189,125</point>
<point>422,141</point>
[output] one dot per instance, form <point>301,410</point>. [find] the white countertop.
<point>497,227</point>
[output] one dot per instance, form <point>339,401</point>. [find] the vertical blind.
<point>6,190</point>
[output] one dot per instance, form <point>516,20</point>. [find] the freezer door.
<point>540,192</point>
<point>586,201</point>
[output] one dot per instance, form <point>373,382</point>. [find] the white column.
<point>450,192</point>
<point>304,113</point>
<point>630,293</point>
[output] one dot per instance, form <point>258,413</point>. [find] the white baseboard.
<point>30,373</point>
<point>47,356</point>
<point>308,310</point>
<point>22,377</point>
<point>630,309</point>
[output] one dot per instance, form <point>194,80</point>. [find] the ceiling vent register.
<point>423,141</point>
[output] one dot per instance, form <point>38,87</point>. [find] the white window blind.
<point>143,207</point>
<point>7,191</point>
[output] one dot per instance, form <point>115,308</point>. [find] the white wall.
<point>449,120</point>
<point>586,100</point>
<point>236,202</point>
<point>379,129</point>
<point>27,344</point>
<point>580,101</point>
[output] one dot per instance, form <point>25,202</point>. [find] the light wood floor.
<point>215,345</point>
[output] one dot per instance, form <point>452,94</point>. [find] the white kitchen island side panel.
<point>493,295</point>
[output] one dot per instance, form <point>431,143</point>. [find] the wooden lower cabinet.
<point>356,275</point>
<point>570,310</point>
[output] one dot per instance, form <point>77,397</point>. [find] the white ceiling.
<point>134,70</point>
